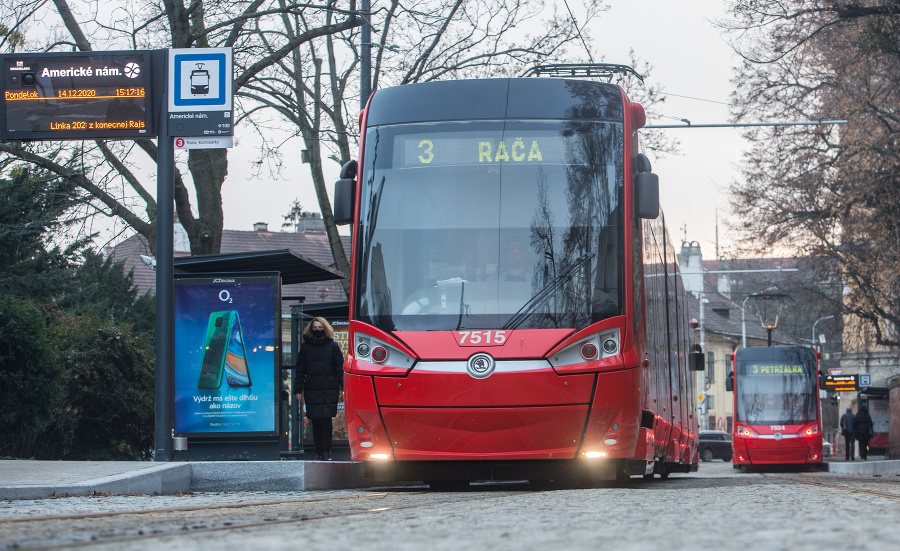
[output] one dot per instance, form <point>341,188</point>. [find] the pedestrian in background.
<point>847,421</point>
<point>862,430</point>
<point>320,373</point>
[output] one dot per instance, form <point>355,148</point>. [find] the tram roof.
<point>501,98</point>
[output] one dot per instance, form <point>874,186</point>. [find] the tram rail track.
<point>185,509</point>
<point>885,495</point>
<point>853,490</point>
<point>186,527</point>
<point>138,528</point>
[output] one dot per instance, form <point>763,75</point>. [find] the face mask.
<point>318,333</point>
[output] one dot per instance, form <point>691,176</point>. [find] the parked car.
<point>715,444</point>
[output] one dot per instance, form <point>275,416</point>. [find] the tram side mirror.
<point>344,193</point>
<point>697,359</point>
<point>343,201</point>
<point>729,382</point>
<point>646,195</point>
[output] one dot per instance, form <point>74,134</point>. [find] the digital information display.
<point>841,383</point>
<point>79,95</point>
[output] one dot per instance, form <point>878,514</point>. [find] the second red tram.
<point>776,407</point>
<point>516,308</point>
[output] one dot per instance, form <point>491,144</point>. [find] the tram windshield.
<point>776,386</point>
<point>490,225</point>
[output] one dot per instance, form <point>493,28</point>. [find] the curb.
<point>205,476</point>
<point>865,468</point>
<point>156,480</point>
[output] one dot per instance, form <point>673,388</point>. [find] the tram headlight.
<point>809,430</point>
<point>746,432</point>
<point>594,455</point>
<point>362,349</point>
<point>372,350</point>
<point>610,346</point>
<point>380,456</point>
<point>598,346</point>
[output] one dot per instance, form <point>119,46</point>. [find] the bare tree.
<point>317,88</point>
<point>106,170</point>
<point>829,192</point>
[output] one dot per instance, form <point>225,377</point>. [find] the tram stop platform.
<point>876,466</point>
<point>33,479</point>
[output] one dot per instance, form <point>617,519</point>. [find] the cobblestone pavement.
<point>716,507</point>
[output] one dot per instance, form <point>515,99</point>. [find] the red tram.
<point>776,407</point>
<point>516,308</point>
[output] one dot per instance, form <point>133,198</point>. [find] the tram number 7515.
<point>481,338</point>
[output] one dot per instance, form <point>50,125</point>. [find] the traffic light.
<point>835,399</point>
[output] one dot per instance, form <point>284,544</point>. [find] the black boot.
<point>328,456</point>
<point>320,457</point>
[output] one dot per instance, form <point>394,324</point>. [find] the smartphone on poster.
<point>212,365</point>
<point>237,370</point>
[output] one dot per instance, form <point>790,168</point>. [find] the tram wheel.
<point>448,485</point>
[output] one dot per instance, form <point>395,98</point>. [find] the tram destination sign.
<point>78,95</point>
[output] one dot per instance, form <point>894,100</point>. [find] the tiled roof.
<point>130,252</point>
<point>723,317</point>
<point>747,264</point>
<point>312,245</point>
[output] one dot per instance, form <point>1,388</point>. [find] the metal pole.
<point>165,289</point>
<point>741,125</point>
<point>741,271</point>
<point>296,420</point>
<point>744,323</point>
<point>702,330</point>
<point>365,54</point>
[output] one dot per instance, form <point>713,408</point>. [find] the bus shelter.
<point>269,440</point>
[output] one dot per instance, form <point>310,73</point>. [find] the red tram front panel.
<point>776,407</point>
<point>524,409</point>
<point>777,444</point>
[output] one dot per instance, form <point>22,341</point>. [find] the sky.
<point>689,57</point>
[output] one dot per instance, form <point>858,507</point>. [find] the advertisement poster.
<point>227,352</point>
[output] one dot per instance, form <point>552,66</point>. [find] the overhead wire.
<point>578,30</point>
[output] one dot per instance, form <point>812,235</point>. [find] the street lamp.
<point>765,295</point>
<point>769,316</point>
<point>814,327</point>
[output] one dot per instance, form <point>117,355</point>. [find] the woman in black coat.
<point>320,373</point>
<point>862,429</point>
